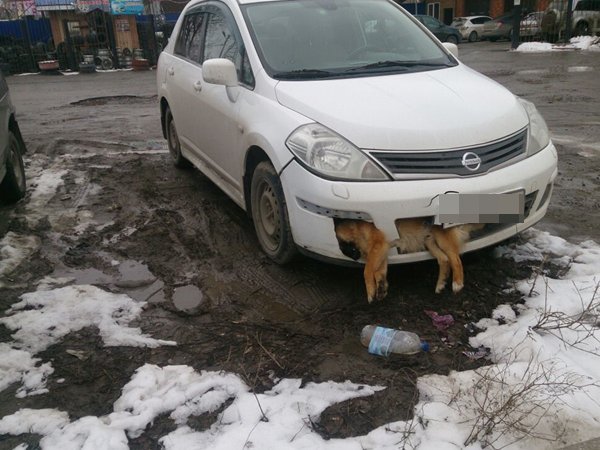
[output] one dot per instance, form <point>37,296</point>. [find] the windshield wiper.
<point>399,64</point>
<point>304,73</point>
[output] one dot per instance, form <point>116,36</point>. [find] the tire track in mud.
<point>195,233</point>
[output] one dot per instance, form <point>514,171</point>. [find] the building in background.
<point>447,10</point>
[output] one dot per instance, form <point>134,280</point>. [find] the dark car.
<point>443,32</point>
<point>12,147</point>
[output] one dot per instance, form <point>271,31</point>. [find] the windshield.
<point>458,22</point>
<point>307,39</point>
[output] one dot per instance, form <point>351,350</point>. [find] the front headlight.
<point>329,154</point>
<point>539,137</point>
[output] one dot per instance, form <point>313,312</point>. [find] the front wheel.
<point>269,213</point>
<point>13,186</point>
<point>582,29</point>
<point>452,39</point>
<point>473,36</point>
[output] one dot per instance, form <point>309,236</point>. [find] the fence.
<point>94,39</point>
<point>556,24</point>
<point>23,43</point>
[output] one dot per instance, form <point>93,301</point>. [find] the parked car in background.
<point>498,28</point>
<point>531,25</point>
<point>12,147</point>
<point>470,27</point>
<point>441,31</point>
<point>586,17</point>
<point>307,112</point>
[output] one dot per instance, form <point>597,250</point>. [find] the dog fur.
<point>359,239</point>
<point>445,244</point>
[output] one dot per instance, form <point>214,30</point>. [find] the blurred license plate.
<point>481,208</point>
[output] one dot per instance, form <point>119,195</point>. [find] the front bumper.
<point>384,202</point>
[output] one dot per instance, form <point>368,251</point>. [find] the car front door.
<point>217,132</point>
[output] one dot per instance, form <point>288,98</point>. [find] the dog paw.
<point>440,287</point>
<point>457,287</point>
<point>381,291</point>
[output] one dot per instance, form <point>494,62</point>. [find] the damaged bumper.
<point>313,202</point>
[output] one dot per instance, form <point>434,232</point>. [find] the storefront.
<point>100,30</point>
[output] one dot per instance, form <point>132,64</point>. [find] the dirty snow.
<point>590,43</point>
<point>44,317</point>
<point>14,249</point>
<point>540,357</point>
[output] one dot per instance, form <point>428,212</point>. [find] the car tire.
<point>473,36</point>
<point>582,29</point>
<point>13,186</point>
<point>270,216</point>
<point>173,141</point>
<point>452,39</point>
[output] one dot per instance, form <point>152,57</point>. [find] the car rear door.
<point>182,72</point>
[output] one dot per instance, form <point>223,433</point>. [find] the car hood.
<point>440,109</point>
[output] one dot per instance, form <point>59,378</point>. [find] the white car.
<point>305,111</point>
<point>470,27</point>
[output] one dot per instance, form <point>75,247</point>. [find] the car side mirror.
<point>219,71</point>
<point>452,48</point>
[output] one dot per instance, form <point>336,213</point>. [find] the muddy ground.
<point>127,220</point>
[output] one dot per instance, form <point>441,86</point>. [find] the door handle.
<point>171,71</point>
<point>197,86</point>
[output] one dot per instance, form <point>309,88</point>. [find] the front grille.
<point>451,161</point>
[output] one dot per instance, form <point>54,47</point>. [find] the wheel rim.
<point>17,165</point>
<point>173,140</point>
<point>582,29</point>
<point>268,216</point>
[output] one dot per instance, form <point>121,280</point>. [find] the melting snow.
<point>544,376</point>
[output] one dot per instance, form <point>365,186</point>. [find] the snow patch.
<point>278,418</point>
<point>14,249</point>
<point>587,43</point>
<point>44,317</point>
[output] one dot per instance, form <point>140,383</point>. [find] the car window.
<point>478,20</point>
<point>459,22</point>
<point>222,41</point>
<point>346,38</point>
<point>588,5</point>
<point>430,22</point>
<point>189,40</point>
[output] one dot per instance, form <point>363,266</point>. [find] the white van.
<point>304,111</point>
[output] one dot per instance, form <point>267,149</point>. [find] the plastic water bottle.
<point>383,341</point>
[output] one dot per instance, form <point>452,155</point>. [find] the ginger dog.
<point>359,239</point>
<point>445,244</point>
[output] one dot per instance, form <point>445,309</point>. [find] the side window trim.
<point>233,26</point>
<point>192,12</point>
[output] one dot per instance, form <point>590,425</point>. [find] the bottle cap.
<point>424,346</point>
